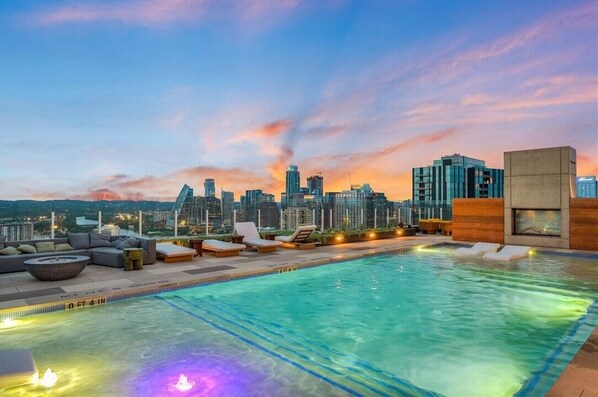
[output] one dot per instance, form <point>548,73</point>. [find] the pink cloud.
<point>148,12</point>
<point>138,11</point>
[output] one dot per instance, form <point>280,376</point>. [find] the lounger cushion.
<point>169,249</point>
<point>252,237</point>
<point>478,249</point>
<point>216,245</point>
<point>508,253</point>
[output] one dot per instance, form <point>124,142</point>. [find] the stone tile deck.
<point>21,292</point>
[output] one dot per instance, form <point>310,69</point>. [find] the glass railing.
<point>57,218</point>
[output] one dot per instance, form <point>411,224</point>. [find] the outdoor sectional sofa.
<point>102,249</point>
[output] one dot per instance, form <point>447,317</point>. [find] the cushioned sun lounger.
<point>169,252</point>
<point>17,367</point>
<point>252,238</point>
<point>478,249</point>
<point>508,253</point>
<point>222,248</point>
<point>299,236</point>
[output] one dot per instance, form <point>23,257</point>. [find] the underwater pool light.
<point>49,379</point>
<point>183,384</point>
<point>8,323</point>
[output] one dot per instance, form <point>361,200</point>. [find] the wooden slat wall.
<point>479,220</point>
<point>584,223</point>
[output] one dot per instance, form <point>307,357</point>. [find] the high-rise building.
<point>269,214</point>
<point>210,188</point>
<point>293,217</point>
<point>17,231</point>
<point>315,184</point>
<point>292,182</point>
<point>182,206</point>
<point>228,206</point>
<point>455,176</point>
<point>349,211</point>
<point>251,202</point>
<point>586,186</point>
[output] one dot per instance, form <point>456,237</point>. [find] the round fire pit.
<point>52,268</point>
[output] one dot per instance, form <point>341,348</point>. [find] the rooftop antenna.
<point>350,184</point>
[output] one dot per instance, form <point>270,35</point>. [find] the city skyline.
<point>133,99</point>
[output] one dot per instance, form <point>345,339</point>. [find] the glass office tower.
<point>455,176</point>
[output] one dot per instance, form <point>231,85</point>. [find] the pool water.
<point>419,323</point>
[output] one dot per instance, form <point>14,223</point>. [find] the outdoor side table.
<point>197,245</point>
<point>270,236</point>
<point>133,258</point>
<point>237,239</point>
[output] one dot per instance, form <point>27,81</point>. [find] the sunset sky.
<point>132,99</point>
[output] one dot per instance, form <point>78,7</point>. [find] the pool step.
<point>356,376</point>
<point>531,283</point>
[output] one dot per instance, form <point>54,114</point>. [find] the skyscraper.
<point>586,186</point>
<point>292,182</point>
<point>454,176</point>
<point>228,206</point>
<point>315,184</point>
<point>182,206</point>
<point>210,188</point>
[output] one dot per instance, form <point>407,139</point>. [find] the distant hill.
<point>25,208</point>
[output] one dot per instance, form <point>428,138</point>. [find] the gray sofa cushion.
<point>79,240</point>
<point>107,256</point>
<point>99,240</point>
<point>130,242</point>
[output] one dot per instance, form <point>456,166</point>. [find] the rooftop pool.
<point>420,323</point>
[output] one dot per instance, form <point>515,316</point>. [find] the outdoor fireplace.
<point>537,222</point>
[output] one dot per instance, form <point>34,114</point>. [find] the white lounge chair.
<point>222,248</point>
<point>169,252</point>
<point>508,253</point>
<point>477,250</point>
<point>298,238</point>
<point>252,238</point>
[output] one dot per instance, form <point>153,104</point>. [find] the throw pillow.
<point>27,249</point>
<point>116,242</point>
<point>10,251</point>
<point>45,246</point>
<point>79,241</point>
<point>63,247</point>
<point>99,240</point>
<point>130,242</point>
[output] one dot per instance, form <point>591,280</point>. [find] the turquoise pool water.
<point>418,323</point>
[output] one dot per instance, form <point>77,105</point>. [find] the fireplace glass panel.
<point>538,222</point>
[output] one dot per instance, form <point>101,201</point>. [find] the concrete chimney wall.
<point>539,179</point>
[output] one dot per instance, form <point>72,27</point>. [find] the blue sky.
<point>132,99</point>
